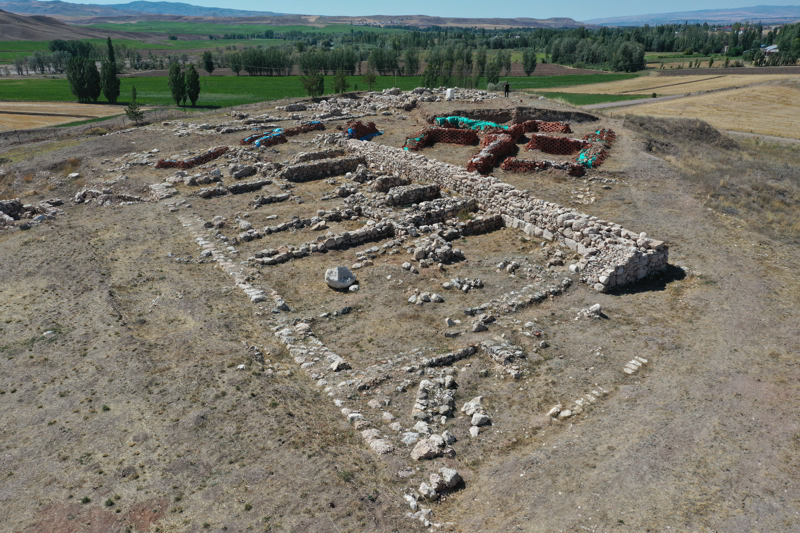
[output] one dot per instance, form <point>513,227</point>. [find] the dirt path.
<point>768,138</point>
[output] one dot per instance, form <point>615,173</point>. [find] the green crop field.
<point>589,99</point>
<point>200,28</point>
<point>11,49</point>
<point>216,91</point>
<point>225,91</point>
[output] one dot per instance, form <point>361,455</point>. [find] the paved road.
<point>768,138</point>
<point>634,102</point>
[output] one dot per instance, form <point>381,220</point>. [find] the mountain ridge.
<point>760,13</point>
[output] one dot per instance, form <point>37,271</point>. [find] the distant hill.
<point>40,28</point>
<point>188,10</point>
<point>69,10</point>
<point>765,14</point>
<point>142,10</point>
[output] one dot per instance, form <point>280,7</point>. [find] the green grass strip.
<point>538,82</point>
<point>87,121</point>
<point>589,99</point>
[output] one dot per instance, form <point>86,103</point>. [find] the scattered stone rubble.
<point>633,366</point>
<point>105,197</point>
<point>14,211</point>
<point>479,418</point>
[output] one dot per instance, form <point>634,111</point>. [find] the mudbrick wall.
<point>611,255</point>
<point>556,145</point>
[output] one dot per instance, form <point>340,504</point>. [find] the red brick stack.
<point>556,145</point>
<point>576,170</point>
<point>596,147</point>
<point>512,164</point>
<point>272,141</point>
<point>452,136</point>
<point>496,147</point>
<point>359,130</point>
<point>553,127</point>
<point>429,136</point>
<point>250,139</point>
<point>193,162</point>
<point>607,136</point>
<point>305,128</point>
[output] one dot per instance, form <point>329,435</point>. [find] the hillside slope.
<point>15,27</point>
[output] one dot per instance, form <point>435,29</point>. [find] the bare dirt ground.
<point>122,407</point>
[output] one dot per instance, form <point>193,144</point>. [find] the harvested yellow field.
<point>770,110</point>
<point>667,85</point>
<point>27,115</point>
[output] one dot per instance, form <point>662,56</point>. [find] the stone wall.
<point>411,194</point>
<point>373,232</point>
<point>305,157</point>
<point>317,170</point>
<point>611,255</point>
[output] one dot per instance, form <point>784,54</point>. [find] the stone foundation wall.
<point>411,194</point>
<point>318,170</point>
<point>305,157</point>
<point>612,255</point>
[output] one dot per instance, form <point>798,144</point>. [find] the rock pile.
<point>14,210</point>
<point>465,285</point>
<point>434,399</point>
<point>475,409</point>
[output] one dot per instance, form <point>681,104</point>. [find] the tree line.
<point>405,53</point>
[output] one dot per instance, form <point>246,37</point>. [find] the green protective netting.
<point>586,160</point>
<point>464,122</point>
<point>416,140</point>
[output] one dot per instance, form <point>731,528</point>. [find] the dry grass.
<point>664,85</point>
<point>754,182</point>
<point>54,113</point>
<point>773,111</point>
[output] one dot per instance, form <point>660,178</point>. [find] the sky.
<point>575,9</point>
